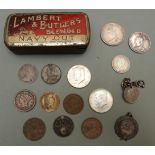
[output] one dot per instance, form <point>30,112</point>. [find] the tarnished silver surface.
<point>121,63</point>
<point>51,74</point>
<point>28,73</point>
<point>79,76</point>
<point>112,34</point>
<point>139,42</point>
<point>101,100</point>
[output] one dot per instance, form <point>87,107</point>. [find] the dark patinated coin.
<point>126,127</point>
<point>91,128</point>
<point>73,104</point>
<point>51,74</point>
<point>63,126</point>
<point>34,129</point>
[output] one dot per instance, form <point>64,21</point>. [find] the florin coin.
<point>121,64</point>
<point>34,129</point>
<point>73,104</point>
<point>28,73</point>
<point>112,34</point>
<point>63,126</point>
<point>49,101</point>
<point>101,100</point>
<point>51,74</point>
<point>91,128</point>
<point>139,42</point>
<point>25,100</point>
<point>79,76</point>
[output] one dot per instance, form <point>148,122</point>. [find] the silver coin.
<point>51,74</point>
<point>121,64</point>
<point>79,76</point>
<point>101,100</point>
<point>112,34</point>
<point>139,42</point>
<point>28,73</point>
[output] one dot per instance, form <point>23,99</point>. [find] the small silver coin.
<point>101,100</point>
<point>139,42</point>
<point>79,76</point>
<point>131,94</point>
<point>121,64</point>
<point>112,34</point>
<point>28,73</point>
<point>51,74</point>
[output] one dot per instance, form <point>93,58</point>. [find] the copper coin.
<point>34,129</point>
<point>73,104</point>
<point>91,128</point>
<point>63,126</point>
<point>25,100</point>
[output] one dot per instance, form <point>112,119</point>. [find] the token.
<point>34,129</point>
<point>25,100</point>
<point>91,128</point>
<point>73,104</point>
<point>49,101</point>
<point>101,100</point>
<point>51,74</point>
<point>112,34</point>
<point>79,76</point>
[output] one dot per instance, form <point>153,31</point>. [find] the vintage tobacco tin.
<point>47,33</point>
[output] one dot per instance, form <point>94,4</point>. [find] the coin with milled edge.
<point>101,100</point>
<point>121,64</point>
<point>139,42</point>
<point>34,129</point>
<point>25,100</point>
<point>50,101</point>
<point>79,76</point>
<point>51,74</point>
<point>63,126</point>
<point>112,34</point>
<point>91,128</point>
<point>28,73</point>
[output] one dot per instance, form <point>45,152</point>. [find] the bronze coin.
<point>91,128</point>
<point>73,104</point>
<point>34,129</point>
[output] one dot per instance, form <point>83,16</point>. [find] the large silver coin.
<point>79,76</point>
<point>28,73</point>
<point>101,100</point>
<point>112,34</point>
<point>121,63</point>
<point>139,42</point>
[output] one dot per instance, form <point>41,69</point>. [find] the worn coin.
<point>25,100</point>
<point>79,76</point>
<point>63,126</point>
<point>34,129</point>
<point>139,42</point>
<point>49,101</point>
<point>28,73</point>
<point>101,100</point>
<point>121,64</point>
<point>51,74</point>
<point>91,128</point>
<point>73,104</point>
<point>112,34</point>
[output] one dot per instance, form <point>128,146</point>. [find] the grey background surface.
<point>98,59</point>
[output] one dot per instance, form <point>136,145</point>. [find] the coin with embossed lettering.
<point>25,100</point>
<point>101,100</point>
<point>34,129</point>
<point>79,76</point>
<point>139,42</point>
<point>112,34</point>
<point>51,74</point>
<point>121,64</point>
<point>28,73</point>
